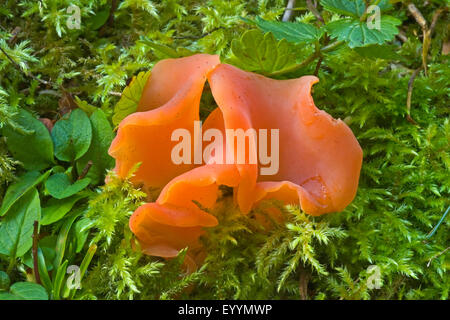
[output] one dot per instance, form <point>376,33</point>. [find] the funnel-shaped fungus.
<point>318,159</point>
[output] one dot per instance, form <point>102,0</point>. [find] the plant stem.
<point>35,253</point>
<point>408,98</point>
<point>314,11</point>
<point>288,12</point>
<point>14,63</point>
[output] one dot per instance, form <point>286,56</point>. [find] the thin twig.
<point>16,65</point>
<point>437,256</point>
<point>114,93</point>
<point>303,283</point>
<point>408,99</point>
<point>110,20</point>
<point>85,170</point>
<point>401,35</point>
<point>427,31</point>
<point>417,15</point>
<point>35,253</point>
<point>435,18</point>
<point>316,71</point>
<point>288,12</point>
<point>314,11</point>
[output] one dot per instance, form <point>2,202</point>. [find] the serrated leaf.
<point>130,97</point>
<point>296,32</point>
<point>33,147</point>
<point>358,34</point>
<point>17,227</point>
<point>259,52</point>
<point>72,136</point>
<point>352,8</point>
<point>28,291</point>
<point>102,136</point>
<point>15,191</point>
<point>59,186</point>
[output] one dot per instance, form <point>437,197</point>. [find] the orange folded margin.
<point>319,158</point>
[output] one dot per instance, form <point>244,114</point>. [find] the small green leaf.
<point>62,237</point>
<point>102,136</point>
<point>33,147</point>
<point>82,228</point>
<point>99,19</point>
<point>56,209</point>
<point>358,34</point>
<point>43,269</point>
<point>28,291</point>
<point>86,107</point>
<point>60,273</point>
<point>72,136</point>
<point>166,51</point>
<point>59,185</point>
<point>25,183</point>
<point>256,51</point>
<point>16,228</point>
<point>296,32</point>
<point>130,97</point>
<point>352,8</point>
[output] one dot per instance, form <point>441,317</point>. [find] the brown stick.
<point>85,170</point>
<point>314,11</point>
<point>35,253</point>
<point>303,283</point>
<point>408,99</point>
<point>16,65</point>
<point>316,71</point>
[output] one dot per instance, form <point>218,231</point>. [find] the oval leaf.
<point>102,135</point>
<point>29,291</point>
<point>72,136</point>
<point>17,227</point>
<point>59,186</point>
<point>33,147</point>
<point>18,189</point>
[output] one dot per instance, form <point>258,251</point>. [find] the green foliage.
<point>357,33</point>
<point>297,32</point>
<point>102,135</point>
<point>261,53</point>
<point>17,190</point>
<point>25,291</point>
<point>17,226</point>
<point>129,99</point>
<point>72,136</point>
<point>59,185</point>
<point>30,143</point>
